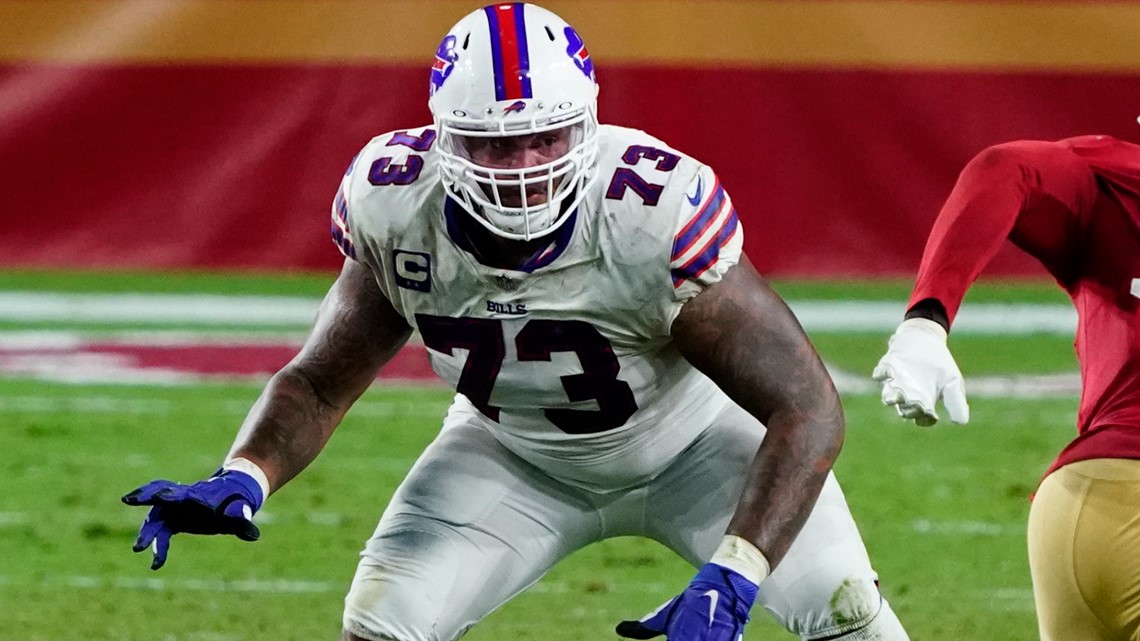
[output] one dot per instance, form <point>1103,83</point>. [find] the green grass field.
<point>942,510</point>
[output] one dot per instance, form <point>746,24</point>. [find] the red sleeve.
<point>1034,193</point>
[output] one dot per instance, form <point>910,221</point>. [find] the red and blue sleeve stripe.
<point>708,255</point>
<point>509,51</point>
<point>700,223</point>
<point>340,233</point>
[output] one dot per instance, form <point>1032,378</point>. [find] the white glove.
<point>917,370</point>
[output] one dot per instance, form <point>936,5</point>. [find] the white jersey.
<point>569,357</point>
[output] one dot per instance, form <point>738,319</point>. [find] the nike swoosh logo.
<point>695,199</point>
<point>713,596</point>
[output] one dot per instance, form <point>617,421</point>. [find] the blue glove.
<point>713,608</point>
<point>222,504</point>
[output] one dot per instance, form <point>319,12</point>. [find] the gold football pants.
<point>1084,551</point>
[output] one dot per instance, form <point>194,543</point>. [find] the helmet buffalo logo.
<point>515,107</point>
<point>576,49</point>
<point>445,58</point>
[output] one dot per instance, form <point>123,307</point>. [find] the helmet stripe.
<point>509,51</point>
<point>524,52</point>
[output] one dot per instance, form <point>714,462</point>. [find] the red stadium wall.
<point>212,133</point>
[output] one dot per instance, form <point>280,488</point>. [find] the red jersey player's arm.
<point>1033,193</point>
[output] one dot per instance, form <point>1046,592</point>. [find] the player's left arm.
<point>739,333</point>
<point>742,335</point>
<point>732,327</point>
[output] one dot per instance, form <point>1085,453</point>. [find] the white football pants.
<point>473,525</point>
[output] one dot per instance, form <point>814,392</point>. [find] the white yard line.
<point>298,312</point>
<point>94,370</point>
<point>286,586</point>
<point>158,308</point>
<point>1011,386</point>
<point>1001,599</point>
<point>71,339</point>
<point>63,339</point>
<point>110,404</point>
<point>959,529</point>
<point>261,586</point>
<point>26,404</point>
<point>979,318</point>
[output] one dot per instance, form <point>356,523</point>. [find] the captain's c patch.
<point>413,270</point>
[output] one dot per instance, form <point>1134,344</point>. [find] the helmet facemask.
<point>498,197</point>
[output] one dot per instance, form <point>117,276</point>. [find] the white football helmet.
<point>511,70</point>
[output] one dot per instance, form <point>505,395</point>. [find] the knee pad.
<point>358,632</point>
<point>883,626</point>
<point>822,603</point>
<point>400,589</point>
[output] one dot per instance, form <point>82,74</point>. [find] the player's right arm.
<point>355,333</point>
<point>1031,192</point>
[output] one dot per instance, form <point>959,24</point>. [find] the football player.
<point>620,368</point>
<point>1074,205</point>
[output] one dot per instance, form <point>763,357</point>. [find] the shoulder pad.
<point>383,186</point>
<point>653,188</point>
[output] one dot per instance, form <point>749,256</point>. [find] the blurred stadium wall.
<point>212,133</point>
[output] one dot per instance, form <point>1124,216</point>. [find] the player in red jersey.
<point>1074,205</point>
